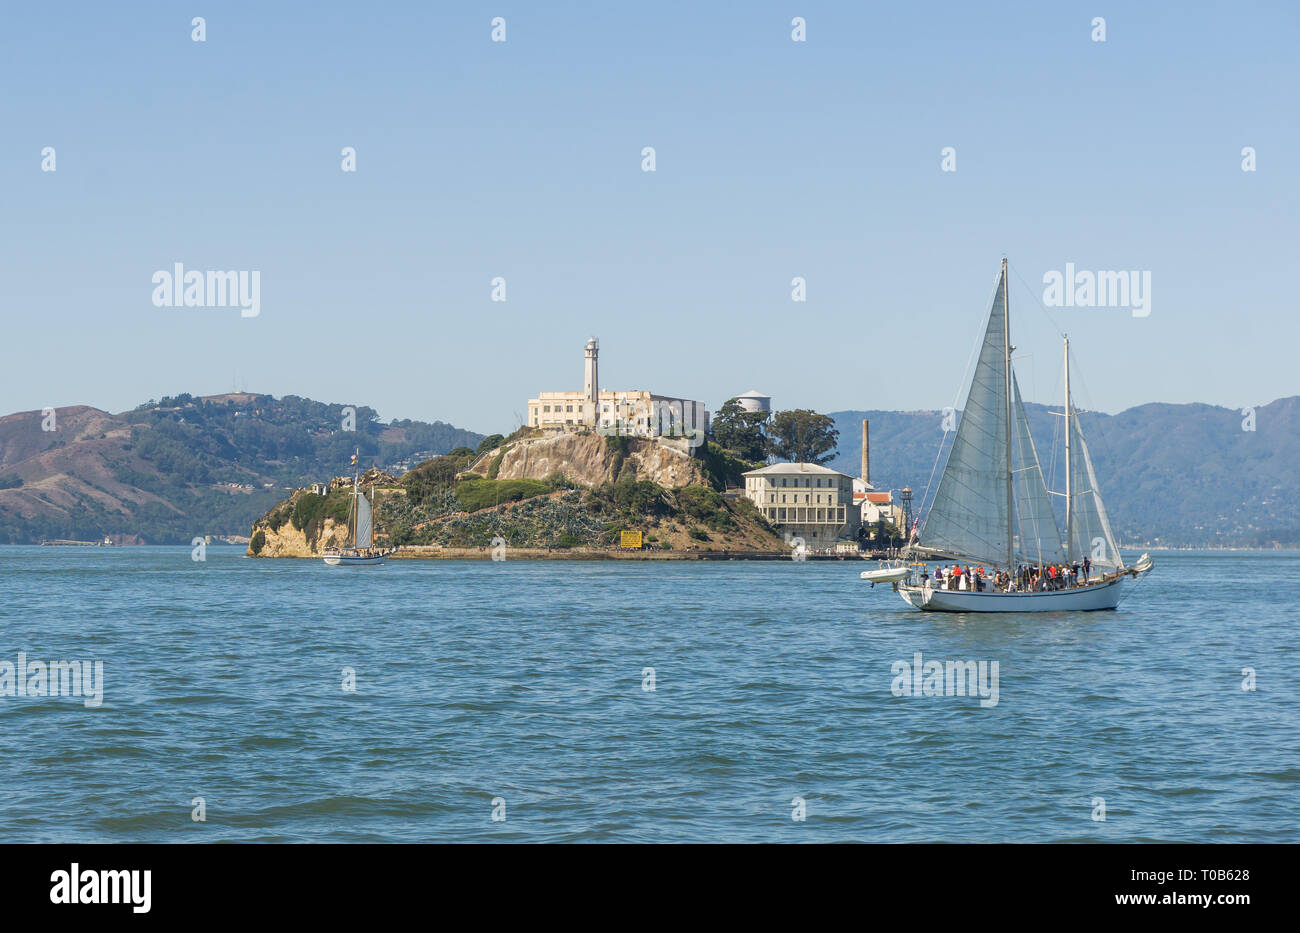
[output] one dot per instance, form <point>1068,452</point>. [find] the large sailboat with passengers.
<point>992,517</point>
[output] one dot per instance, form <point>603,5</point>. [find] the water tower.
<point>755,401</point>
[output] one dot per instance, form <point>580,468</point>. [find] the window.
<point>568,408</point>
<point>546,408</point>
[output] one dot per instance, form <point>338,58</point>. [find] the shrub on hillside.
<point>475,494</point>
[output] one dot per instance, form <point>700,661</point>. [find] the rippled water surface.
<point>524,681</point>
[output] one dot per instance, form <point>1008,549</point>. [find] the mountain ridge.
<point>1171,474</point>
<point>185,466</point>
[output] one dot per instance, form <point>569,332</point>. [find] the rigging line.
<point>1096,422</point>
<point>1038,301</point>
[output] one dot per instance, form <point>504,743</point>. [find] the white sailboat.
<point>361,552</point>
<point>992,508</point>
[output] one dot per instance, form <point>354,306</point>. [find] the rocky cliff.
<point>591,460</point>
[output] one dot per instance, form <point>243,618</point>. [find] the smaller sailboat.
<point>361,552</point>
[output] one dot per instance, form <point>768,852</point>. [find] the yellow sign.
<point>630,539</point>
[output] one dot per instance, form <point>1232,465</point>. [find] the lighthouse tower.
<point>591,385</point>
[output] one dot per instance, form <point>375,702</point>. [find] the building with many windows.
<point>635,412</point>
<point>805,500</point>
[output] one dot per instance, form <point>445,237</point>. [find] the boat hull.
<point>353,560</point>
<point>1080,599</point>
<point>887,575</point>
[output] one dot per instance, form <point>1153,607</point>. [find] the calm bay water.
<point>523,681</point>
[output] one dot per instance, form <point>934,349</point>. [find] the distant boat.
<point>361,552</point>
<point>992,507</point>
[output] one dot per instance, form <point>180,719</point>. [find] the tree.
<point>490,442</point>
<point>803,436</point>
<point>886,534</point>
<point>741,431</point>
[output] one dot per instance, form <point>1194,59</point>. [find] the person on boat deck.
<point>1087,566</point>
<point>925,576</point>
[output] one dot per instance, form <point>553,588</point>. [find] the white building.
<point>805,500</point>
<point>877,505</point>
<point>636,412</point>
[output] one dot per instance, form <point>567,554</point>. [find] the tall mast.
<point>353,516</point>
<point>1006,346</point>
<point>1069,530</point>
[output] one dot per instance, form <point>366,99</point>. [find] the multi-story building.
<point>877,505</point>
<point>636,412</point>
<point>806,501</point>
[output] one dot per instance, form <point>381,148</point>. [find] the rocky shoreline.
<point>433,552</point>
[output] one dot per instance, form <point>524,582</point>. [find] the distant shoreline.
<point>484,552</point>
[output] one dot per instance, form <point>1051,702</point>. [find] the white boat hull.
<point>1079,599</point>
<point>886,575</point>
<point>353,560</point>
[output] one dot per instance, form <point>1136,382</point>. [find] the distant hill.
<point>1171,475</point>
<point>185,466</point>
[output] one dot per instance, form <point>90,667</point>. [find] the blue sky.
<point>522,159</point>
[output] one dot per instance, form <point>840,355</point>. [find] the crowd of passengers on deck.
<point>1027,578</point>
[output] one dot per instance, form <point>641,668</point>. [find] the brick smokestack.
<point>866,454</point>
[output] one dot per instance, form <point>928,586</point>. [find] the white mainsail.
<point>968,517</point>
<point>364,525</point>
